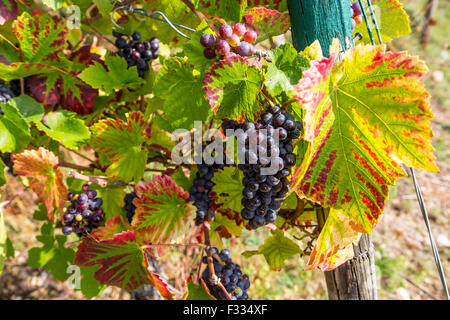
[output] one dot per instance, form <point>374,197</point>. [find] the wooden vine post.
<point>324,20</point>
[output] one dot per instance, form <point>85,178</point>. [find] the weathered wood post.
<point>324,20</point>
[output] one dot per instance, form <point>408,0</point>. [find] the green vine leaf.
<point>197,291</point>
<point>63,126</point>
<point>232,87</point>
<point>122,143</point>
<point>194,49</point>
<point>115,77</point>
<point>174,79</point>
<point>229,188</point>
<point>30,109</point>
<point>392,20</point>
<point>162,213</point>
<point>363,117</point>
<point>226,9</point>
<point>15,132</point>
<point>285,70</point>
<point>276,249</point>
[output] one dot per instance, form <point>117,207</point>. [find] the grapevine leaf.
<point>197,291</point>
<point>232,86</point>
<point>89,286</point>
<point>194,49</point>
<point>104,6</point>
<point>363,117</point>
<point>2,172</point>
<point>112,201</point>
<point>334,245</point>
<point>41,39</point>
<point>116,76</point>
<point>122,143</point>
<point>29,108</point>
<point>63,126</point>
<point>112,226</point>
<point>266,22</point>
<point>226,223</point>
<point>19,70</point>
<point>285,70</point>
<point>8,52</point>
<point>122,262</point>
<point>392,20</point>
<point>54,4</point>
<point>229,188</point>
<point>46,181</point>
<point>15,133</point>
<point>52,255</point>
<point>276,249</point>
<point>3,238</point>
<point>174,79</point>
<point>162,213</point>
<point>8,10</point>
<point>226,9</point>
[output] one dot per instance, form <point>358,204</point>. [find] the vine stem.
<point>172,245</point>
<point>65,164</point>
<point>200,15</point>
<point>212,275</point>
<point>97,180</point>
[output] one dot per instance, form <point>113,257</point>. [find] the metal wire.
<point>152,15</point>
<point>419,195</point>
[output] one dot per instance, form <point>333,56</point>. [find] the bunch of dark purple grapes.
<point>137,53</point>
<point>84,214</point>
<point>6,94</point>
<point>129,207</point>
<point>201,191</point>
<point>237,39</point>
<point>268,163</point>
<point>230,276</point>
<point>356,13</point>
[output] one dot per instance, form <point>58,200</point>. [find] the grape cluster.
<point>85,212</point>
<point>129,207</point>
<point>137,53</point>
<point>237,39</point>
<point>6,94</point>
<point>263,194</point>
<point>230,276</point>
<point>356,14</point>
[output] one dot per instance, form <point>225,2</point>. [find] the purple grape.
<point>85,187</point>
<point>91,194</point>
<point>225,31</point>
<point>67,230</point>
<point>209,53</point>
<point>207,40</point>
<point>356,8</point>
<point>223,47</point>
<point>83,198</point>
<point>244,49</point>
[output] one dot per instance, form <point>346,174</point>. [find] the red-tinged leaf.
<point>122,143</point>
<point>46,181</point>
<point>36,86</point>
<point>232,86</point>
<point>122,262</point>
<point>8,10</point>
<point>334,245</point>
<point>266,22</point>
<point>162,213</point>
<point>111,228</point>
<point>82,105</point>
<point>42,38</point>
<point>363,116</point>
